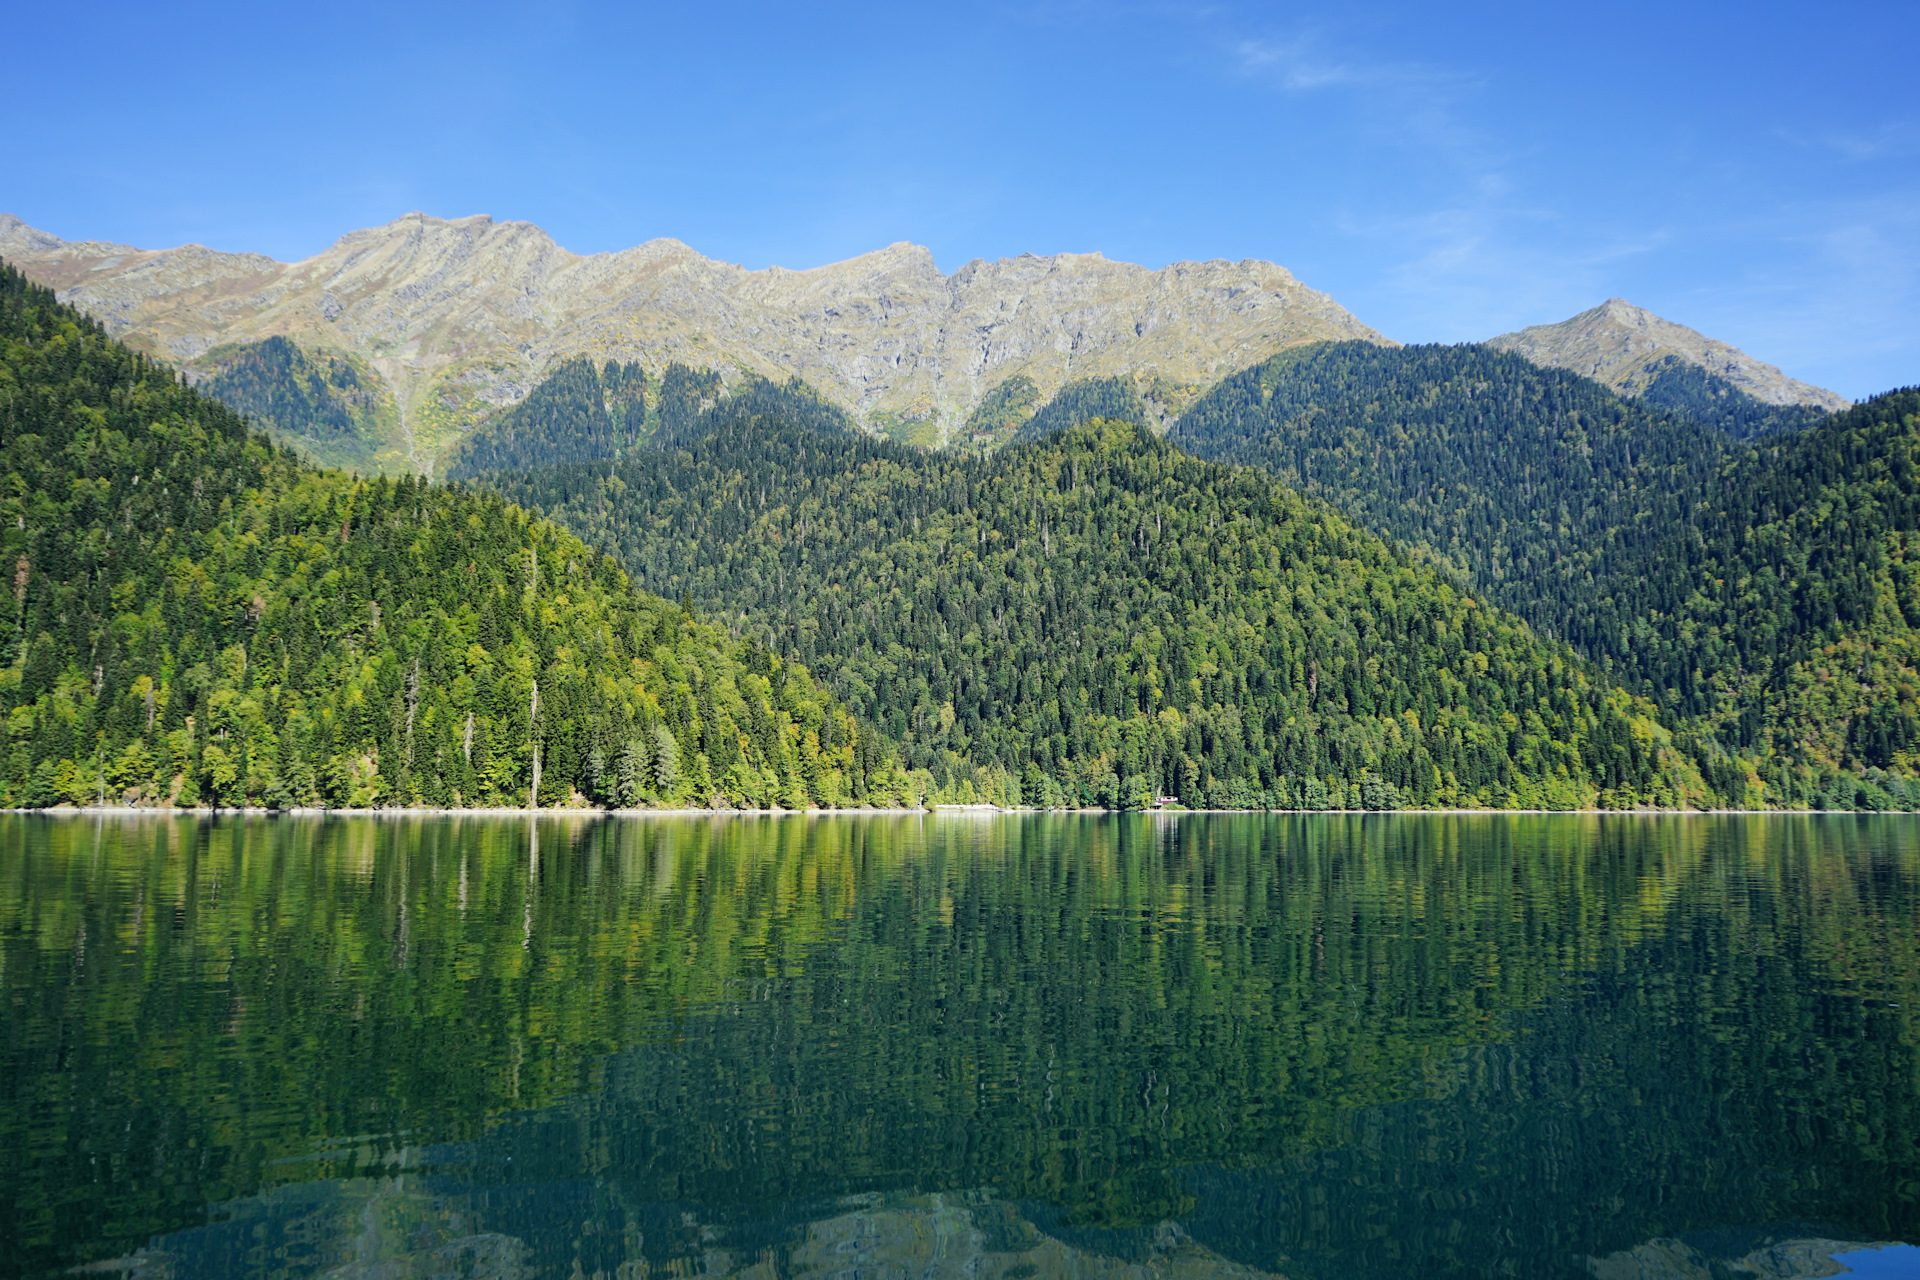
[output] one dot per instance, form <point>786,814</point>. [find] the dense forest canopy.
<point>1534,481</point>
<point>1178,628</point>
<point>584,413</point>
<point>1688,391</point>
<point>1100,618</point>
<point>198,615</point>
<point>578,412</point>
<point>1785,613</point>
<point>329,405</point>
<point>1085,400</point>
<point>1757,590</point>
<point>1001,413</point>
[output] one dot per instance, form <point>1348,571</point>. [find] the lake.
<point>1002,1047</point>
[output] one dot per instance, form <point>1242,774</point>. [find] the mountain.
<point>1628,348</point>
<point>1759,591</point>
<point>1097,617</point>
<point>463,317</point>
<point>1705,399</point>
<point>201,616</point>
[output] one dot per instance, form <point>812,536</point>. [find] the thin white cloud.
<point>1298,66</point>
<point>1457,263</point>
<point>1307,60</point>
<point>1895,140</point>
<point>1486,266</point>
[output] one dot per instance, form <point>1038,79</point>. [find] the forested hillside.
<point>577,413</point>
<point>1784,612</point>
<point>199,615</point>
<point>1690,392</point>
<point>1757,590</point>
<point>333,408</point>
<point>1085,400</point>
<point>586,413</point>
<point>1534,481</point>
<point>1100,617</point>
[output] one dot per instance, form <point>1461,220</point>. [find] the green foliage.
<point>578,413</point>
<point>199,616</point>
<point>755,397</point>
<point>998,417</point>
<point>1531,480</point>
<point>1085,400</point>
<point>324,403</point>
<point>1757,591</point>
<point>583,414</point>
<point>1098,618</point>
<point>1785,614</point>
<point>1688,391</point>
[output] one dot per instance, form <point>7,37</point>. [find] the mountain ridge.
<point>464,316</point>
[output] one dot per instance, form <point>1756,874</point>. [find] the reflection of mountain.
<point>1310,1042</point>
<point>400,1228</point>
<point>1767,1259</point>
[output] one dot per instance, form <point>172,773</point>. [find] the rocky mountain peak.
<point>1624,346</point>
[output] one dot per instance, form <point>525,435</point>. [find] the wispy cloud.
<point>1299,66</point>
<point>1451,253</point>
<point>1895,140</point>
<point>1306,61</point>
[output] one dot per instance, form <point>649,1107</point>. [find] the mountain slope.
<point>465,316</point>
<point>581,414</point>
<point>1626,347</point>
<point>1786,611</point>
<point>1106,618</point>
<point>200,616</point>
<point>577,413</point>
<point>331,407</point>
<point>1531,480</point>
<point>1758,591</point>
<point>1705,399</point>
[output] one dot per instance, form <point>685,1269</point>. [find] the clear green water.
<point>1000,1048</point>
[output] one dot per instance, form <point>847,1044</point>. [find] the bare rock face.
<point>461,316</point>
<point>1619,344</point>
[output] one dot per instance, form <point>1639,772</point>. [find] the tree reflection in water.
<point>1310,1046</point>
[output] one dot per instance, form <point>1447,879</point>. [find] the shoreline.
<point>950,811</point>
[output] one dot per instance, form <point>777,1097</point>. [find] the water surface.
<point>1002,1048</point>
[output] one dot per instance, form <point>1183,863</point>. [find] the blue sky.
<point>1447,172</point>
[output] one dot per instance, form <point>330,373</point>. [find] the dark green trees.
<point>1533,481</point>
<point>576,414</point>
<point>326,404</point>
<point>583,413</point>
<point>1688,391</point>
<point>1085,400</point>
<point>1757,590</point>
<point>1100,618</point>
